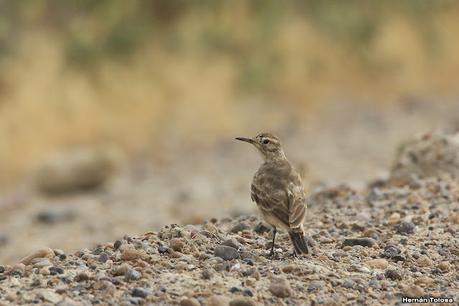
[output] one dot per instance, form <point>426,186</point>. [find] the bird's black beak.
<point>249,140</point>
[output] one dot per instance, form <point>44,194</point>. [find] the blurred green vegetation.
<point>116,29</point>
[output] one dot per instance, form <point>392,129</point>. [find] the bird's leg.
<point>274,241</point>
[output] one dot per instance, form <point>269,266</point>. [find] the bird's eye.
<point>265,141</point>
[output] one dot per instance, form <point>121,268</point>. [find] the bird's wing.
<point>297,206</point>
<point>272,201</point>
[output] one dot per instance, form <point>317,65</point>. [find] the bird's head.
<point>267,144</point>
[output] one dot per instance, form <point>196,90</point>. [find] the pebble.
<point>140,292</point>
<point>444,266</point>
<point>232,243</point>
<point>82,276</point>
<point>56,270</point>
<point>103,257</point>
<point>129,253</point>
<point>217,300</point>
<point>405,228</point>
<point>315,285</point>
<point>261,228</point>
<point>207,274</point>
<point>423,280</point>
<point>242,301</point>
<point>413,291</point>
<point>393,274</point>
<point>280,287</point>
<point>49,296</point>
<point>366,242</point>
<point>189,302</point>
<point>117,244</point>
<point>226,252</point>
<point>163,249</point>
<point>377,263</point>
<point>176,244</point>
<point>247,292</point>
<point>348,283</point>
<point>42,253</point>
<point>132,275</point>
<point>41,262</point>
<point>18,269</point>
<point>390,251</point>
<point>424,261</point>
<point>394,218</point>
<point>239,227</point>
<point>2,269</point>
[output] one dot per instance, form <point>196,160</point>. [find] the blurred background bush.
<point>139,72</point>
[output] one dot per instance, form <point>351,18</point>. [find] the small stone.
<point>129,253</point>
<point>132,275</point>
<point>393,274</point>
<point>42,253</point>
<point>454,218</point>
<point>348,283</point>
<point>405,228</point>
<point>394,218</point>
<point>315,285</point>
<point>444,266</point>
<point>163,249</point>
<point>247,292</point>
<point>56,270</point>
<point>280,287</point>
<point>140,292</point>
<point>239,227</point>
<point>207,274</point>
<point>41,262</point>
<point>82,276</point>
<point>176,244</point>
<point>117,244</point>
<point>217,300</point>
<point>242,301</point>
<point>377,263</point>
<point>413,291</point>
<point>226,252</point>
<point>190,302</point>
<point>55,215</point>
<point>234,289</point>
<point>366,242</point>
<point>261,228</point>
<point>249,261</point>
<point>424,261</point>
<point>18,269</point>
<point>2,269</point>
<point>390,251</point>
<point>103,257</point>
<point>232,243</point>
<point>423,280</point>
<point>121,270</point>
<point>49,296</point>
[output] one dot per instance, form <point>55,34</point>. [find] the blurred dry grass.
<point>133,73</point>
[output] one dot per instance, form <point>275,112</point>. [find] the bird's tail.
<point>299,242</point>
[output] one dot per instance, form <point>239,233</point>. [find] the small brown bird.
<point>278,191</point>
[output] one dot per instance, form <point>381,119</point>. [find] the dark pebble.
<point>249,261</point>
<point>2,269</point>
<point>247,292</point>
<point>3,277</point>
<point>162,249</point>
<point>53,216</point>
<point>405,228</point>
<point>103,257</point>
<point>117,244</point>
<point>81,277</point>
<point>239,227</point>
<point>140,292</point>
<point>366,242</point>
<point>56,270</point>
<point>393,275</point>
<point>234,289</point>
<point>226,252</point>
<point>390,251</point>
<point>261,228</point>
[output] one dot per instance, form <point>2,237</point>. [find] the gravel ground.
<point>371,247</point>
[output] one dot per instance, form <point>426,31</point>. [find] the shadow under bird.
<point>278,191</point>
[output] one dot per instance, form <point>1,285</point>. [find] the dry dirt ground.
<point>345,146</point>
<point>397,239</point>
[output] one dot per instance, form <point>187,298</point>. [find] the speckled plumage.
<point>278,191</point>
